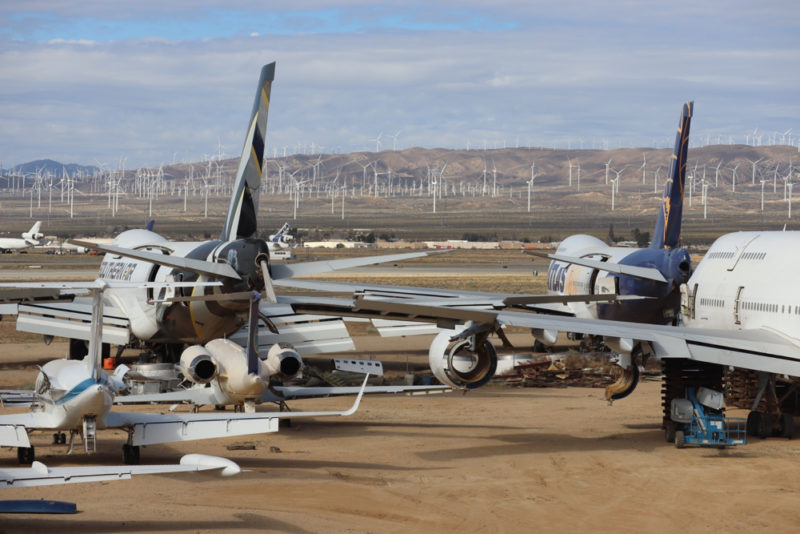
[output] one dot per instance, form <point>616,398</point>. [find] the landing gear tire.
<point>753,421</point>
<point>130,454</point>
<point>669,432</point>
<point>538,346</point>
<point>25,455</point>
<point>787,425</point>
<point>764,425</point>
<point>680,439</point>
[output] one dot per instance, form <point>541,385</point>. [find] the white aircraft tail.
<point>34,233</point>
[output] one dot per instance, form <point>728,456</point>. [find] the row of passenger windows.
<point>753,306</point>
<point>754,255</point>
<point>731,255</point>
<point>771,308</point>
<point>720,255</point>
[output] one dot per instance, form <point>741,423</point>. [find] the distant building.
<point>334,243</point>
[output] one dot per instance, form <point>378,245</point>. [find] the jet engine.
<point>283,362</point>
<point>467,363</point>
<point>34,236</point>
<point>197,365</point>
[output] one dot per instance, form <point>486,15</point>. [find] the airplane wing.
<point>547,303</point>
<point>13,431</point>
<point>150,428</point>
<point>206,396</point>
<point>41,475</point>
<point>199,396</point>
<point>757,349</point>
<point>647,273</point>
<point>288,270</point>
<point>285,393</point>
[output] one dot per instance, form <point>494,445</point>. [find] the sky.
<point>145,83</point>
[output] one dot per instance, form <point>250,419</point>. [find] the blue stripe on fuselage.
<point>77,390</point>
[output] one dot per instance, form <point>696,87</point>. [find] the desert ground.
<point>498,459</point>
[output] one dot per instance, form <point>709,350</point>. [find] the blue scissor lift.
<point>700,422</point>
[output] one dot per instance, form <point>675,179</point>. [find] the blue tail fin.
<point>668,227</point>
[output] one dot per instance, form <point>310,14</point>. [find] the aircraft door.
<point>736,304</point>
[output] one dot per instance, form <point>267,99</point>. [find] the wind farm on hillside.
<point>511,193</point>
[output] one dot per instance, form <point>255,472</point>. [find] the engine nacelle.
<point>283,362</point>
<point>460,365</point>
<point>197,365</point>
<point>545,336</point>
<point>35,236</point>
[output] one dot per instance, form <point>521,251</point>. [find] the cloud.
<point>564,72</point>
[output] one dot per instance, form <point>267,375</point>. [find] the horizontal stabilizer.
<point>646,273</point>
<point>187,264</point>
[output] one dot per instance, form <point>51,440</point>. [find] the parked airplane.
<point>281,239</point>
<point>223,372</point>
<point>29,239</point>
<point>239,259</point>
<point>586,277</point>
<point>77,396</point>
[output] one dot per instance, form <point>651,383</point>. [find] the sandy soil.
<point>495,460</point>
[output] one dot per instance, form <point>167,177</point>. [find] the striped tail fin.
<point>668,227</point>
<point>241,220</point>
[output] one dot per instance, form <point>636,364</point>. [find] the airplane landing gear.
<point>773,421</point>
<point>25,455</point>
<point>130,454</point>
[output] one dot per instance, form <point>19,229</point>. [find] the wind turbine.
<point>754,163</point>
<point>733,178</point>
<point>377,140</point>
<point>494,179</point>
<point>608,165</point>
<point>644,167</point>
<point>394,140</point>
<point>762,194</point>
<point>530,185</point>
<point>614,183</point>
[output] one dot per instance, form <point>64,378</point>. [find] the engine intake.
<point>197,365</point>
<point>459,364</point>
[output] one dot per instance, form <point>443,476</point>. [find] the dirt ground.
<point>496,460</point>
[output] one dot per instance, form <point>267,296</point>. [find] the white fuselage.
<point>73,394</point>
<point>570,279</point>
<point>151,318</point>
<point>747,280</point>
<point>16,243</point>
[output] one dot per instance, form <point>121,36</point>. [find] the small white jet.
<point>222,372</point>
<point>77,396</point>
<point>29,239</point>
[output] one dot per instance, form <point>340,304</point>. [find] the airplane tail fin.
<point>34,233</point>
<point>243,210</point>
<point>668,226</point>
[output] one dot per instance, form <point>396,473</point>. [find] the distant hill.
<point>53,167</point>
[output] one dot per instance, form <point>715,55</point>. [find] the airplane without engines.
<point>29,239</point>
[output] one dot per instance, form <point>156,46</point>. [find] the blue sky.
<point>98,81</point>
